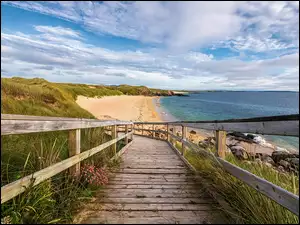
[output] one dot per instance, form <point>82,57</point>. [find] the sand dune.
<point>134,108</point>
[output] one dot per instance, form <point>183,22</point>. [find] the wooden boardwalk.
<point>153,185</point>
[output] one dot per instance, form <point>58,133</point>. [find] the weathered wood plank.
<point>29,126</point>
<point>278,194</point>
<point>154,207</point>
<point>151,166</point>
<point>156,200</point>
<point>156,171</point>
<point>15,188</point>
<point>148,217</point>
<point>152,186</point>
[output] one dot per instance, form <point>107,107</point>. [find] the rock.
<point>242,137</point>
<point>280,155</point>
<point>267,159</point>
<point>203,144</point>
<point>239,152</point>
<point>258,161</point>
<point>293,161</point>
<point>285,164</point>
<point>268,164</point>
<point>280,168</point>
<point>193,132</point>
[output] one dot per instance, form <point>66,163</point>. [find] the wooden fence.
<point>20,124</point>
<point>287,125</point>
<point>279,125</point>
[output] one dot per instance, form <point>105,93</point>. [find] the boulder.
<point>285,164</point>
<point>267,159</point>
<point>268,164</point>
<point>280,155</point>
<point>294,162</point>
<point>239,152</point>
<point>193,132</point>
<point>258,161</point>
<point>203,144</point>
<point>280,168</point>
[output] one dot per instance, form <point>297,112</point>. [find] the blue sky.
<point>170,45</point>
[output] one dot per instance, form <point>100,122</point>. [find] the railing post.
<point>221,143</point>
<point>142,129</point>
<point>114,136</point>
<point>183,132</point>
<point>126,131</point>
<point>74,149</point>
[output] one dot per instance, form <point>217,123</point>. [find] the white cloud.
<point>61,57</point>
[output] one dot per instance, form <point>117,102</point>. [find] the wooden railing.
<point>20,124</point>
<point>276,125</point>
<point>279,125</point>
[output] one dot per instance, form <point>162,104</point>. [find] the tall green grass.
<point>247,204</point>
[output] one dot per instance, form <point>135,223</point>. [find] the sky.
<point>169,45</point>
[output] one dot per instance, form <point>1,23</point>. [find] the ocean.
<point>230,105</point>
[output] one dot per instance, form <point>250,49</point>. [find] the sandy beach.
<point>124,107</point>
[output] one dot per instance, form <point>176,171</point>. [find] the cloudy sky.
<point>172,45</point>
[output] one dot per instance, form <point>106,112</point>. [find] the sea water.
<point>233,105</point>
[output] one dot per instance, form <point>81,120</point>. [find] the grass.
<point>249,205</point>
<point>54,200</point>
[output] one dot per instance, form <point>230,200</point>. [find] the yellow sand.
<point>134,108</point>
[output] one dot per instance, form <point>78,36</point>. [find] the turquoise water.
<point>230,105</point>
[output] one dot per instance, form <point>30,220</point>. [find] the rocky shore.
<point>279,159</point>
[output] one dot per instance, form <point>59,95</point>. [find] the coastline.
<point>149,109</point>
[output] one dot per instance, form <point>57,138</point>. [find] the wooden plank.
<point>15,188</point>
<point>149,166</point>
<point>221,143</point>
<point>149,176</point>
<point>150,193</point>
<point>74,149</point>
<point>276,193</point>
<point>151,217</point>
<point>29,126</point>
<point>152,186</point>
<point>152,182</point>
<point>154,207</point>
<point>156,171</point>
<point>156,200</point>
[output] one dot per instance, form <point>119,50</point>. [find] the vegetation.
<point>53,200</point>
<point>247,204</point>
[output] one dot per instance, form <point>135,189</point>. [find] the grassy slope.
<point>249,205</point>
